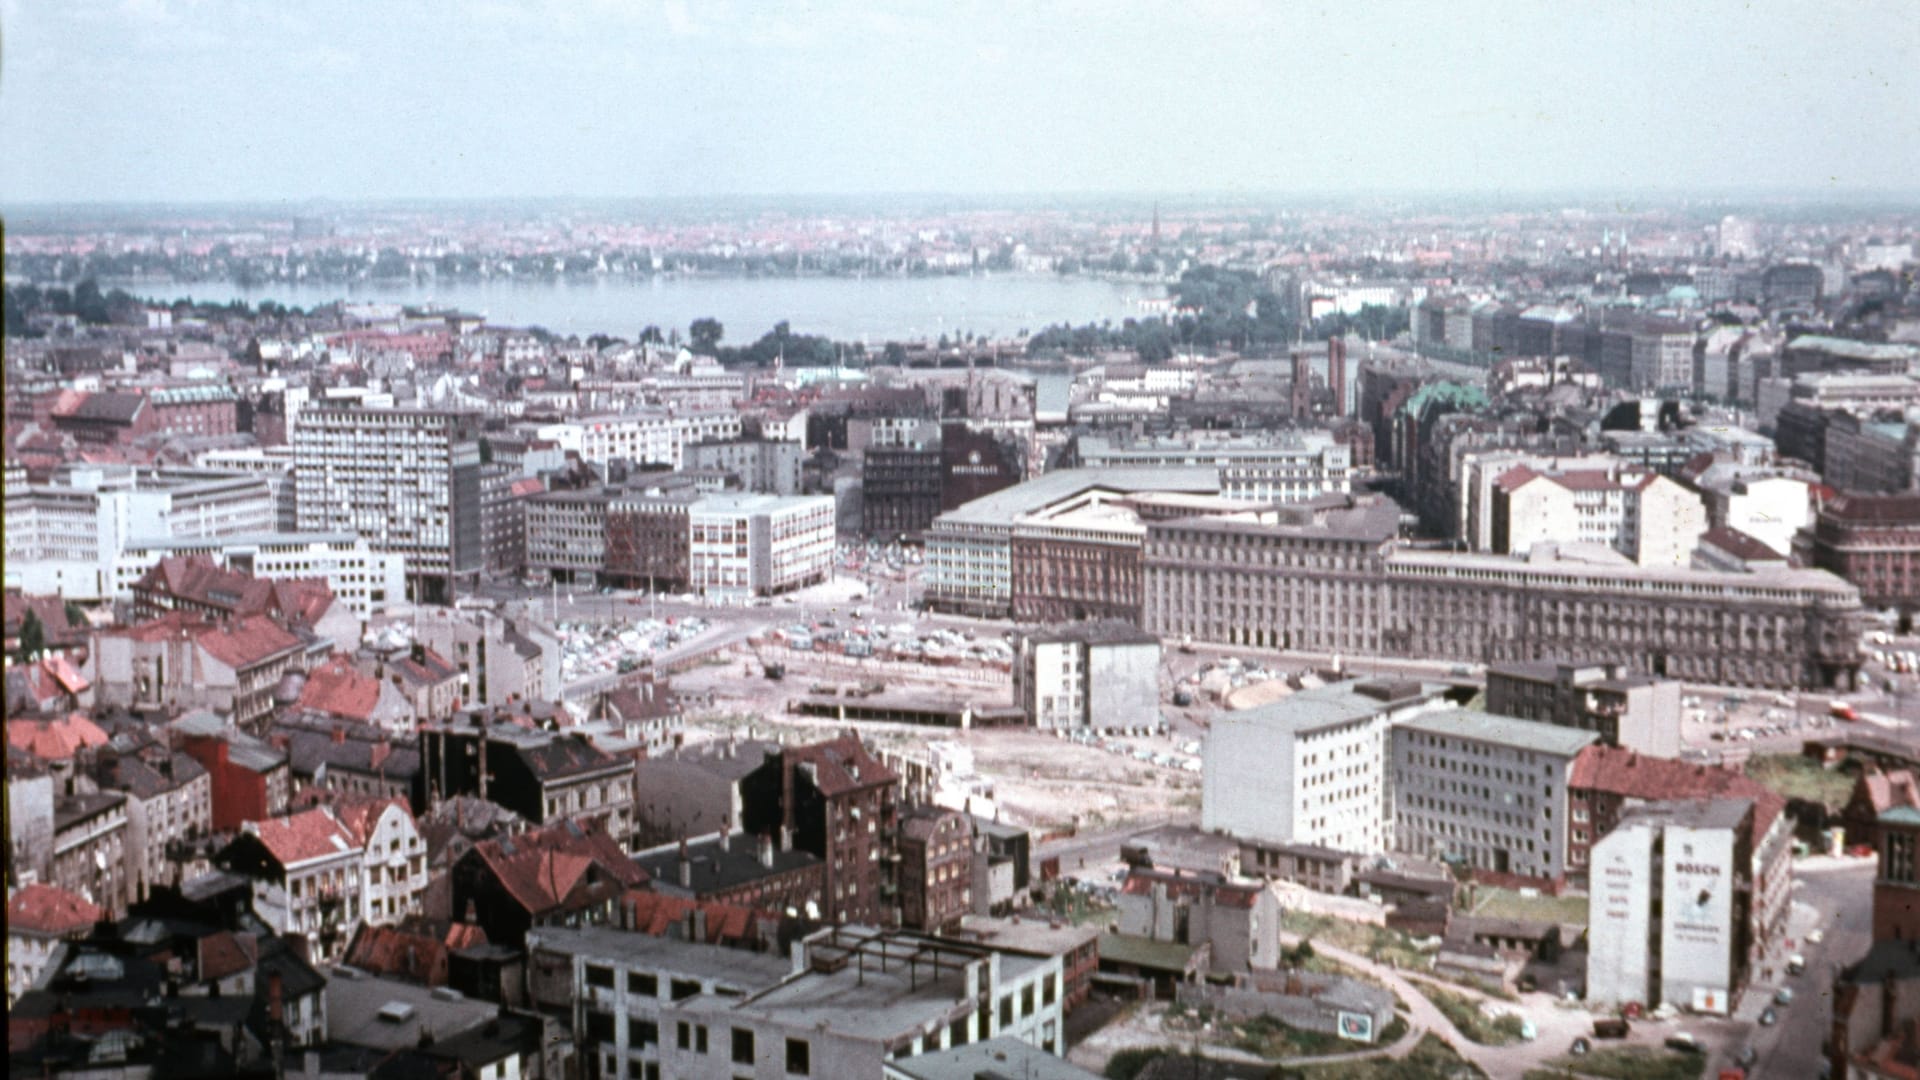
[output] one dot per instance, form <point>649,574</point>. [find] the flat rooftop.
<point>734,968</point>
<point>1500,730</point>
<point>1003,506</point>
<point>1335,705</point>
<point>871,998</point>
<point>1002,1057</point>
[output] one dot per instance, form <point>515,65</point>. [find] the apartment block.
<point>1484,791</point>
<point>68,536</point>
<point>405,480</point>
<point>760,544</point>
<point>1310,769</point>
<point>1671,900</point>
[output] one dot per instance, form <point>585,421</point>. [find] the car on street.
<point>1815,937</point>
<point>1685,1042</point>
<point>1580,1046</point>
<point>1746,1057</point>
<point>1768,1017</point>
<point>1783,996</point>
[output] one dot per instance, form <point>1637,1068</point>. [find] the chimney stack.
<point>766,850</point>
<point>685,865</point>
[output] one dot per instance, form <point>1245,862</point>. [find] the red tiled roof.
<point>541,868</point>
<point>405,954</point>
<point>655,914</point>
<point>248,642</point>
<point>50,910</point>
<point>464,936</point>
<point>337,689</point>
<point>1516,478</point>
<point>199,579</point>
<point>227,953</point>
<point>57,739</point>
<point>62,673</point>
<point>361,816</point>
<point>840,765</point>
<point>1886,790</point>
<point>303,837</point>
<point>1614,771</point>
<point>304,600</point>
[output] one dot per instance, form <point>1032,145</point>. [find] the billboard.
<point>1356,1026</point>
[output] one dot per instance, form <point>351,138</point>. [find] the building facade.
<point>1484,791</point>
<point>1088,675</point>
<point>1672,898</point>
<point>1632,712</point>
<point>760,544</point>
<point>405,480</point>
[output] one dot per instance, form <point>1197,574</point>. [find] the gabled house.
<point>308,874</point>
<point>563,874</point>
<point>39,917</point>
<point>395,861</point>
<point>182,660</point>
<point>47,684</point>
<point>337,689</point>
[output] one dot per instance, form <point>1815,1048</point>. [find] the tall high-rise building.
<point>1337,373</point>
<point>405,480</point>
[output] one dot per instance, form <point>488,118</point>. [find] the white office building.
<point>1309,769</point>
<point>405,480</point>
<point>67,537</point>
<point>1484,791</point>
<point>1670,908</point>
<point>760,544</point>
<point>660,436</point>
<point>363,579</point>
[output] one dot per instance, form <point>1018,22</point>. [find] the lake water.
<point>870,310</point>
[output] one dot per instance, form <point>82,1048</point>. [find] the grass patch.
<point>1430,1059</point>
<point>1509,904</point>
<point>1376,943</point>
<point>1266,1037</point>
<point>1626,1063</point>
<point>1465,1014</point>
<point>1798,777</point>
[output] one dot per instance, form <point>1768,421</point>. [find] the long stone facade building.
<point>1329,578</point>
<point>1330,575</point>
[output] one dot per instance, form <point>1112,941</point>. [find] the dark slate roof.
<point>713,868</point>
<point>563,756</point>
<point>109,407</point>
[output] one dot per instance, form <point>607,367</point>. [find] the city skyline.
<point>209,102</point>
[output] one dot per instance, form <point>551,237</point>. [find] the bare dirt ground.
<point>1039,779</point>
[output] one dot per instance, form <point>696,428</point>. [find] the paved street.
<point>1835,896</point>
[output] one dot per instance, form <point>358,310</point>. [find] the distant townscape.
<point>1427,642</point>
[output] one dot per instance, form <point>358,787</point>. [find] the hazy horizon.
<point>221,103</point>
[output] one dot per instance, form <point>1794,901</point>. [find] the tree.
<point>895,355</point>
<point>33,637</point>
<point>651,336</point>
<point>706,335</point>
<point>76,615</point>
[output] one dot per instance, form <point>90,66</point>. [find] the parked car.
<point>1684,1042</point>
<point>1783,996</point>
<point>1768,1017</point>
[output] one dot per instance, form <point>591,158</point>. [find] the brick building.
<point>936,868</point>
<point>839,802</point>
<point>1872,541</point>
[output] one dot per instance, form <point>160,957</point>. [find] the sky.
<point>238,100</point>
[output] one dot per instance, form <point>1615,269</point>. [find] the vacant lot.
<point>1798,777</point>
